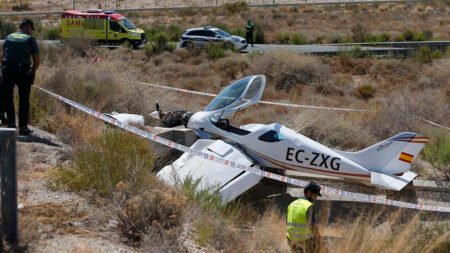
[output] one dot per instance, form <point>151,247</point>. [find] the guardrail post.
<point>8,170</point>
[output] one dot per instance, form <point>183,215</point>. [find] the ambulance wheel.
<point>135,44</point>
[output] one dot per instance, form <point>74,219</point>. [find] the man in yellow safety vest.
<point>302,231</point>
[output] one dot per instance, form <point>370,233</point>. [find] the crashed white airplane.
<point>386,164</point>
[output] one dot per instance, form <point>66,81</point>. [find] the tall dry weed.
<point>365,234</point>
<point>399,110</point>
<point>435,75</point>
<point>337,130</point>
<point>286,69</point>
<point>269,234</point>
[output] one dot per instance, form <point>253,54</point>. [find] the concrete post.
<point>74,4</point>
<point>8,170</point>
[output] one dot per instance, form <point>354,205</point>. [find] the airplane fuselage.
<point>292,151</point>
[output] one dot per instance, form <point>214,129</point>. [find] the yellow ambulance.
<point>104,27</point>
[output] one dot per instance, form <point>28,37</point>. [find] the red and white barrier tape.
<point>254,170</point>
<point>278,103</point>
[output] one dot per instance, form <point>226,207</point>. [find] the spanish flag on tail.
<point>405,157</point>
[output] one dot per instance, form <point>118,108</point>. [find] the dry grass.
<point>285,69</point>
<point>159,218</point>
<point>48,218</point>
<point>268,234</point>
<point>365,234</point>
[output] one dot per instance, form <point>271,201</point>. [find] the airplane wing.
<point>231,182</point>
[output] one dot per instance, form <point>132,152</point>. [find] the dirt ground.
<point>58,221</point>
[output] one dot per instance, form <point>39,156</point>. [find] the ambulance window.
<point>271,136</point>
<point>99,24</point>
<point>89,24</point>
<point>114,26</point>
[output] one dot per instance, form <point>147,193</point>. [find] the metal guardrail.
<point>403,44</point>
<point>274,4</point>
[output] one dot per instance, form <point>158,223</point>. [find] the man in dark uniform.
<point>18,48</point>
<point>2,110</point>
<point>249,32</point>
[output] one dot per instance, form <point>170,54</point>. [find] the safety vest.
<point>297,222</point>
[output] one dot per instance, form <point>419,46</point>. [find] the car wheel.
<point>188,45</point>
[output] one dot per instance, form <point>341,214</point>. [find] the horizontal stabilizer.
<point>391,182</point>
<point>393,156</point>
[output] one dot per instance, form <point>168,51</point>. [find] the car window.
<point>210,34</point>
<point>196,33</point>
<point>223,33</point>
<point>192,33</point>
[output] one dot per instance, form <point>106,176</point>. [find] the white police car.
<point>201,36</point>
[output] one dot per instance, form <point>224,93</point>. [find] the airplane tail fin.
<point>393,156</point>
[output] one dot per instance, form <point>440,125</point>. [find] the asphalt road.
<point>324,49</point>
<point>307,49</point>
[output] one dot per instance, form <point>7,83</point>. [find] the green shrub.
<point>232,8</point>
<point>409,35</point>
<point>113,157</point>
<point>215,50</point>
<point>52,33</point>
<point>437,152</point>
<point>283,38</point>
<point>7,28</point>
<point>158,44</point>
<point>208,198</point>
<point>297,39</point>
<point>357,52</point>
<point>174,32</point>
<point>384,37</point>
<point>238,32</point>
<point>365,92</point>
<point>419,36</point>
<point>425,54</point>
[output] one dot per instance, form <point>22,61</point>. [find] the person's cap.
<point>314,188</point>
<point>27,21</point>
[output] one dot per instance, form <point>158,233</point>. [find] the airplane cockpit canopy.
<point>240,94</point>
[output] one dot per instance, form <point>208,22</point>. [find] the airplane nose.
<point>155,115</point>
